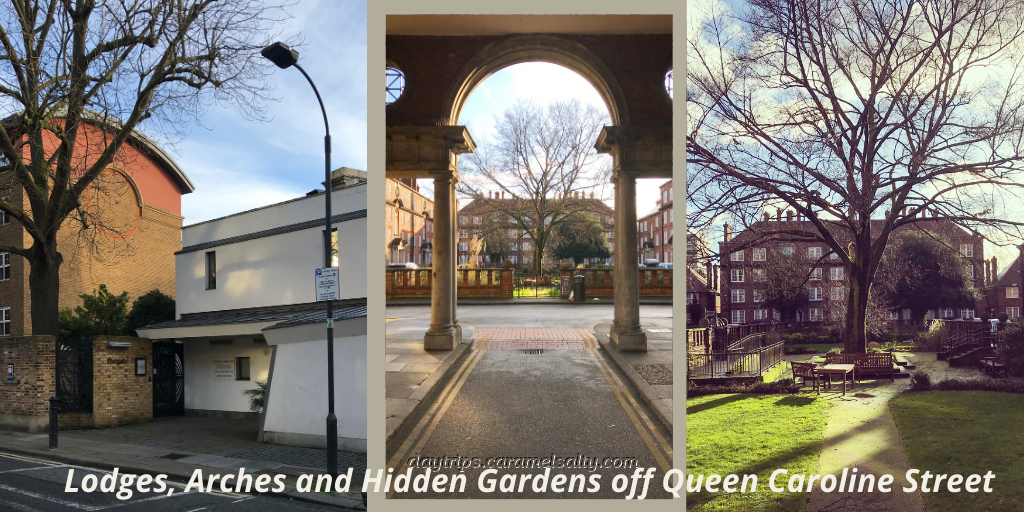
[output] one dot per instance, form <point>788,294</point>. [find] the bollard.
<point>53,421</point>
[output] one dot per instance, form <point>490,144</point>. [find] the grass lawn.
<point>542,292</point>
<point>752,434</point>
<point>965,432</point>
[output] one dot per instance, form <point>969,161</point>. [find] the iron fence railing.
<point>737,363</point>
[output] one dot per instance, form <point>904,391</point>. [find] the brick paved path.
<point>504,338</point>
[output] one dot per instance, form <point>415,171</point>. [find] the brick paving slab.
<point>314,458</point>
<point>533,339</point>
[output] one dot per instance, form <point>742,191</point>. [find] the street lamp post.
<point>285,57</point>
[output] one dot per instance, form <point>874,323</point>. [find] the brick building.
<point>1003,289</point>
<point>743,258</point>
<point>124,235</point>
<point>654,233</point>
<point>410,223</point>
<point>702,297</point>
<point>480,215</point>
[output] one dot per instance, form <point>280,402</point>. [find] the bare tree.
<point>544,160</point>
<point>78,77</point>
<point>862,116</point>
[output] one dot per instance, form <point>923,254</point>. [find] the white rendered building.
<point>246,311</point>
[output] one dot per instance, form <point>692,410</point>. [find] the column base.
<point>442,339</point>
<point>629,340</point>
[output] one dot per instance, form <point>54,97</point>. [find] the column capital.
<point>425,151</point>
<point>639,151</point>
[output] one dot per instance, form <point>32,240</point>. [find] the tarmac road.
<point>520,406</point>
<point>29,484</point>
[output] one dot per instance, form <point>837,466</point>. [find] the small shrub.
<point>920,381</point>
<point>257,396</point>
<point>772,337</point>
<point>779,387</point>
<point>874,345</point>
<point>835,350</point>
<point>799,339</point>
<point>995,385</point>
<point>1011,347</point>
<point>1003,317</point>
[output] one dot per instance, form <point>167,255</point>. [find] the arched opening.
<point>536,48</point>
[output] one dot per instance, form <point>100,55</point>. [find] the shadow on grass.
<point>796,401</point>
<point>718,402</point>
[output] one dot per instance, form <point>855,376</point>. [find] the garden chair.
<point>804,371</point>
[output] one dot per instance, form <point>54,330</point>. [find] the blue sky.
<point>238,164</point>
<point>542,83</point>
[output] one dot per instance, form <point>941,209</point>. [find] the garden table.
<point>831,369</point>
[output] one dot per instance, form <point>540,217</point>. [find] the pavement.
<point>533,381</point>
<point>529,301</point>
<point>649,372</point>
<point>177,446</point>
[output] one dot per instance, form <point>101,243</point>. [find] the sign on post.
<point>328,285</point>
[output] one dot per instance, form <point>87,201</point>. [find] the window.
<point>334,247</point>
<point>814,315</point>
<point>967,314</point>
<point>241,368</point>
<point>758,297</point>
<point>736,276</point>
<point>759,254</point>
<point>211,270</point>
<point>527,246</point>
<point>668,83</point>
<point>814,252</point>
<point>946,313</point>
<point>815,294</point>
<point>739,316</point>
<point>463,246</point>
<point>395,85</point>
<point>816,274</point>
<point>476,220</point>
<point>5,266</point>
<point>736,256</point>
<point>3,214</point>
<point>967,250</point>
<point>787,250</point>
<point>894,315</point>
<point>833,256</point>
<point>462,233</point>
<point>970,270</point>
<point>906,314</point>
<point>691,298</point>
<point>837,273</point>
<point>1012,292</point>
<point>738,295</point>
<point>5,321</point>
<point>758,275</point>
<point>1013,312</point>
<point>760,314</point>
<point>837,293</point>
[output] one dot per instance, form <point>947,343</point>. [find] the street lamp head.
<point>281,54</point>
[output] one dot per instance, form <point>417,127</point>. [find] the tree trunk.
<point>44,287</point>
<point>538,256</point>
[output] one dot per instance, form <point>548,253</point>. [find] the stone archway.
<point>627,68</point>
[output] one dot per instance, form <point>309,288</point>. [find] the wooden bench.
<point>884,362</point>
<point>804,371</point>
<point>994,367</point>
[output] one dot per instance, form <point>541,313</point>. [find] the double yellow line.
<point>660,448</point>
<point>425,427</point>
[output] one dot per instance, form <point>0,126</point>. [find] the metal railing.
<point>737,363</point>
<point>748,343</point>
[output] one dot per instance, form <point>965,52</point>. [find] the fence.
<point>736,363</point>
<point>535,285</point>
<point>653,281</point>
<point>964,333</point>
<point>472,282</point>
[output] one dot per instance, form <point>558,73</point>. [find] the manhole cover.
<point>174,456</point>
<point>534,351</point>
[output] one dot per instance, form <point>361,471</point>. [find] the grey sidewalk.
<point>177,446</point>
<point>649,372</point>
<point>411,373</point>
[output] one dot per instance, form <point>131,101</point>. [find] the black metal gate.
<point>74,375</point>
<point>168,379</point>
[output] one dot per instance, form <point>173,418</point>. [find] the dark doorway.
<point>168,379</point>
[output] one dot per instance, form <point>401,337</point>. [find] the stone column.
<point>432,152</point>
<point>454,208</point>
<point>442,334</point>
<point>626,333</point>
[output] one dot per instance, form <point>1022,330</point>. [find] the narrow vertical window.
<point>211,270</point>
<point>5,266</point>
<point>241,368</point>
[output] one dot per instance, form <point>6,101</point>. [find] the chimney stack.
<point>995,268</point>
<point>778,215</point>
<point>767,217</point>
<point>728,232</point>
<point>714,274</point>
<point>789,215</point>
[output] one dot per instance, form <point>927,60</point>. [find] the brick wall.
<point>25,405</point>
<point>638,63</point>
<point>490,283</point>
<point>654,282</point>
<point>119,397</point>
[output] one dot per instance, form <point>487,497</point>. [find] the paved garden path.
<point>861,434</point>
